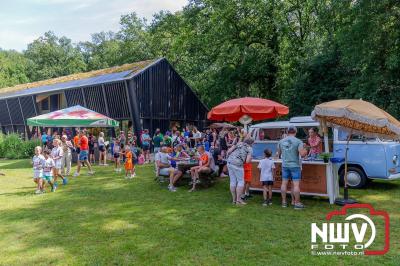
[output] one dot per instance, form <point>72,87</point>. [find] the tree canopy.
<point>298,52</point>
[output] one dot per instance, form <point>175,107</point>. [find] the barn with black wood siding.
<point>148,94</point>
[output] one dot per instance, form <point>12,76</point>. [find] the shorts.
<point>37,174</point>
<point>236,175</point>
<point>146,147</point>
<point>116,155</point>
<point>247,172</point>
<point>165,171</point>
<point>291,172</point>
<point>77,150</point>
<point>102,148</point>
<point>83,155</point>
<point>47,178</point>
<point>267,183</point>
<point>91,150</point>
<point>57,164</point>
<point>157,149</point>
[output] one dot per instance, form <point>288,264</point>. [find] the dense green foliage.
<point>299,52</point>
<point>12,147</point>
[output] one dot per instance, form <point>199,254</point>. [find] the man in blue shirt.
<point>44,139</point>
<point>290,149</point>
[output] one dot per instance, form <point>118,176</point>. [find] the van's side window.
<point>270,134</point>
<point>343,135</point>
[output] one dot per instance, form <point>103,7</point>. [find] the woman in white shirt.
<point>102,149</point>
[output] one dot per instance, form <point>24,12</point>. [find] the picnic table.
<point>186,165</point>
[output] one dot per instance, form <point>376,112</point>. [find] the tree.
<point>13,68</point>
<point>51,57</point>
<point>103,51</point>
<point>224,49</point>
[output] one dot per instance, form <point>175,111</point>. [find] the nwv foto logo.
<point>337,235</point>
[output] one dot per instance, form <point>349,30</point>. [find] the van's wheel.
<point>356,177</point>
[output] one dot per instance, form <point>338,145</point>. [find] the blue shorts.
<point>146,146</point>
<point>291,172</point>
<point>83,155</point>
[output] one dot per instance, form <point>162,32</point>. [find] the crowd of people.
<point>224,152</point>
<point>53,159</point>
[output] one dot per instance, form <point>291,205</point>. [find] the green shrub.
<point>12,147</point>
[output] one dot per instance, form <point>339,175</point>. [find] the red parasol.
<point>256,108</point>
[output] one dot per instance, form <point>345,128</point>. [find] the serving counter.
<point>318,179</point>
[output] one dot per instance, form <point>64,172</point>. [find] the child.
<point>266,167</point>
<point>129,167</point>
<point>141,158</point>
<point>56,155</point>
<point>122,154</point>
<point>37,162</point>
<point>116,152</point>
<point>48,165</point>
<point>247,180</point>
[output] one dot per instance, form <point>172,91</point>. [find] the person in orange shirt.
<point>204,166</point>
<point>129,166</point>
<point>76,145</point>
<point>83,154</point>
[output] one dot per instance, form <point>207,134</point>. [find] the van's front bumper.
<point>394,176</point>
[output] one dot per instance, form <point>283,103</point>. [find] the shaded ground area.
<point>105,219</point>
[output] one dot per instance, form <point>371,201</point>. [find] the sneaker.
<point>54,187</point>
<point>38,191</point>
<point>65,181</point>
<point>76,174</point>
<point>243,197</point>
<point>248,196</point>
<point>91,172</point>
<point>43,191</point>
<point>269,202</point>
<point>241,203</point>
<point>265,203</point>
<point>299,206</point>
<point>134,175</point>
<point>284,204</point>
<point>172,188</point>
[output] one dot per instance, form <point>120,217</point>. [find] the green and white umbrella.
<point>75,116</point>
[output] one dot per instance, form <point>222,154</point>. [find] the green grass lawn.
<point>107,220</point>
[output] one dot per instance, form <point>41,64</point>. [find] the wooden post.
<point>346,194</point>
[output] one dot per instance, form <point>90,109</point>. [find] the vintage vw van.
<point>368,158</point>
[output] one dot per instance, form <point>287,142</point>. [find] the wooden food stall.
<point>318,178</point>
